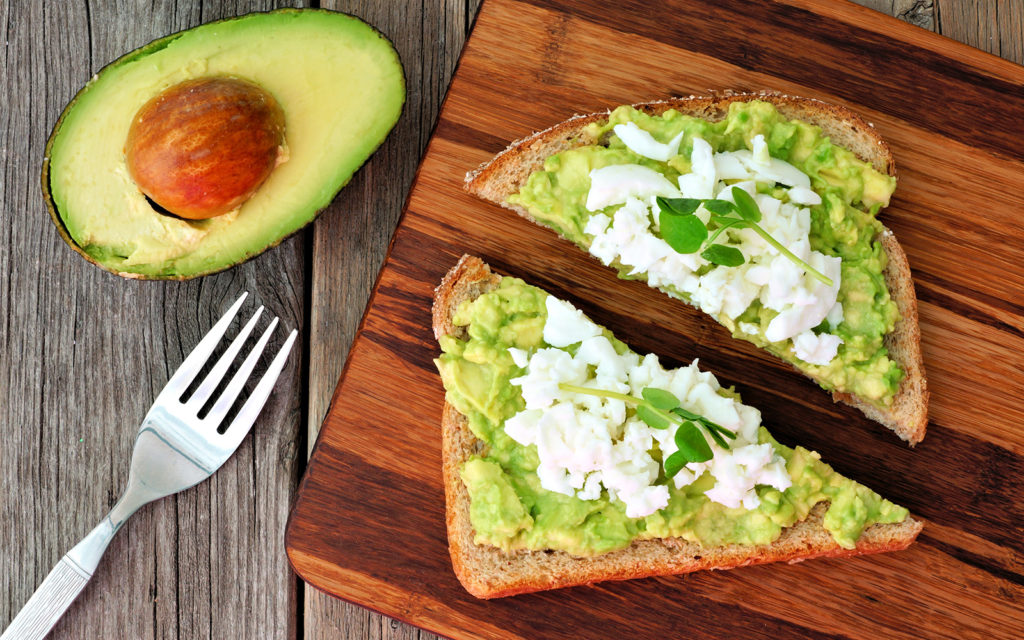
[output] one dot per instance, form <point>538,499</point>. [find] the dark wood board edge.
<point>386,265</point>
<point>884,24</point>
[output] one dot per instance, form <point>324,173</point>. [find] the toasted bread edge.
<point>488,572</point>
<point>507,172</point>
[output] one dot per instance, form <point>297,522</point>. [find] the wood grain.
<point>350,536</point>
<point>920,13</point>
<point>995,27</point>
<point>350,239</point>
<point>104,367</point>
<point>83,355</point>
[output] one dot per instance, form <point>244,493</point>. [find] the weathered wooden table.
<point>83,352</point>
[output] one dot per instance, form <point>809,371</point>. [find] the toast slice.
<point>489,572</point>
<point>507,172</point>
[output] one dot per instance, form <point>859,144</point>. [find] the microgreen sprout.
<point>660,409</point>
<point>686,233</point>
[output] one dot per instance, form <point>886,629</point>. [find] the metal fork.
<point>174,450</point>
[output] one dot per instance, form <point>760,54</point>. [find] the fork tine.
<point>227,398</point>
<point>243,422</point>
<point>206,389</point>
<point>195,360</point>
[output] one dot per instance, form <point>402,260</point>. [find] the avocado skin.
<point>143,51</point>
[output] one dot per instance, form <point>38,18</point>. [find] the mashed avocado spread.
<point>843,225</point>
<point>509,509</point>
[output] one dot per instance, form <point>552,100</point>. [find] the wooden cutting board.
<point>368,525</point>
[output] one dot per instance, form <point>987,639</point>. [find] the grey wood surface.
<point>82,352</point>
<point>82,355</point>
<point>350,241</point>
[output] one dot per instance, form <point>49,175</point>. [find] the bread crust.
<point>489,572</point>
<point>507,172</point>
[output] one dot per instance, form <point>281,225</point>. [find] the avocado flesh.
<point>339,82</point>
<point>510,509</point>
<point>843,225</point>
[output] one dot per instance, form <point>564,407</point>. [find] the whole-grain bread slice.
<point>507,172</point>
<point>489,572</point>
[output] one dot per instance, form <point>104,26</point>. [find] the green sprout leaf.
<point>717,427</point>
<point>660,398</point>
<point>717,431</point>
<point>717,437</point>
<point>727,223</point>
<point>723,256</point>
<point>719,207</point>
<point>746,207</point>
<point>678,206</point>
<point>655,419</point>
<point>689,415</point>
<point>685,234</point>
<point>674,464</point>
<point>684,434</point>
<point>691,443</point>
<point>659,409</point>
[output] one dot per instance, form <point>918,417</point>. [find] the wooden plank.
<point>916,12</point>
<point>962,574</point>
<point>84,353</point>
<point>20,107</point>
<point>350,239</point>
<point>995,27</point>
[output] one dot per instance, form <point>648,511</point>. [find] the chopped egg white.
<point>804,195</point>
<point>519,356</point>
<point>816,349</point>
<point>587,444</point>
<point>835,315</point>
<point>566,325</point>
<point>629,237</point>
<point>616,183</point>
<point>801,305</point>
<point>729,167</point>
<point>643,143</point>
<point>759,155</point>
<point>700,182</point>
<point>741,471</point>
<point>758,164</point>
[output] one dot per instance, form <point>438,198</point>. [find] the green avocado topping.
<point>508,507</point>
<point>843,225</point>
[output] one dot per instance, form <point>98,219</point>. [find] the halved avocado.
<point>338,81</point>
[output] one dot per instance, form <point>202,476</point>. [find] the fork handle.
<point>66,580</point>
<point>49,602</point>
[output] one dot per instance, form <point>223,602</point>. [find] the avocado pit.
<point>203,147</point>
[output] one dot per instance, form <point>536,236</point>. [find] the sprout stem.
<point>789,254</point>
<point>601,393</point>
<point>628,399</point>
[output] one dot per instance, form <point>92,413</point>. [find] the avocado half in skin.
<point>338,81</point>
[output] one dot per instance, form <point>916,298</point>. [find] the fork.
<point>174,450</point>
